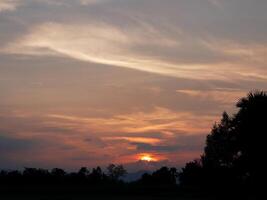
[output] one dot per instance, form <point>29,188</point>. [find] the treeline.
<point>60,176</point>
<point>85,181</point>
<point>113,175</point>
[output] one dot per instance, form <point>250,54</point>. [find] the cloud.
<point>156,42</point>
<point>99,43</point>
<point>89,2</point>
<point>178,143</point>
<point>224,96</point>
<point>216,3</point>
<point>106,44</point>
<point>142,140</point>
<point>9,144</point>
<point>9,5</point>
<point>162,148</point>
<point>159,120</point>
<point>12,5</point>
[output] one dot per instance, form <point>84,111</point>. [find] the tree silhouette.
<point>58,172</point>
<point>250,130</point>
<point>116,172</point>
<point>220,146</point>
<point>234,151</point>
<point>192,174</point>
<point>163,177</point>
<point>83,172</point>
<point>97,175</point>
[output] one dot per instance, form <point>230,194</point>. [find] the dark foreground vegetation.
<point>231,167</point>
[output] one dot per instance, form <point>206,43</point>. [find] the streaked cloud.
<point>11,5</point>
<point>99,43</point>
<point>121,38</point>
<point>103,43</point>
<point>159,120</point>
<point>223,96</point>
<point>142,140</point>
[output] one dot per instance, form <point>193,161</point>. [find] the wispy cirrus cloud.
<point>159,120</point>
<point>103,43</point>
<point>223,95</point>
<point>142,140</point>
<point>12,5</point>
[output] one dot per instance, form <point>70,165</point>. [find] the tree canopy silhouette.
<point>234,151</point>
<point>116,172</point>
<point>163,176</point>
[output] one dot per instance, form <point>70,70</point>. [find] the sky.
<point>93,82</point>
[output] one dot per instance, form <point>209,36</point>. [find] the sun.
<point>147,158</point>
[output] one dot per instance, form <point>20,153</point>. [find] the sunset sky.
<point>93,82</point>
